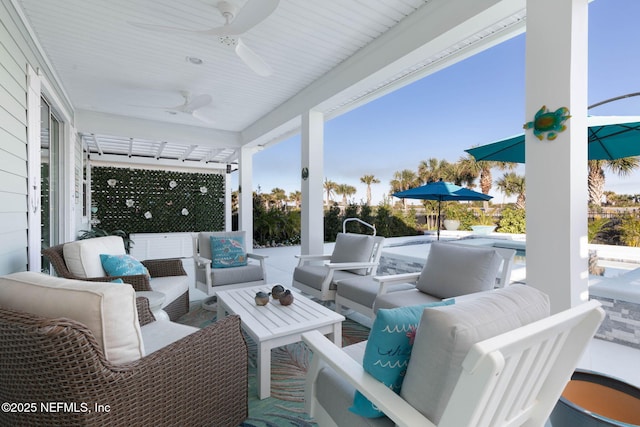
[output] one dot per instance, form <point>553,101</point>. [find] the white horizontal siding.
<point>13,143</point>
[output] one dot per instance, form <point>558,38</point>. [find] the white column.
<point>227,201</point>
<point>33,162</point>
<point>312,174</point>
<point>245,194</point>
<point>556,171</point>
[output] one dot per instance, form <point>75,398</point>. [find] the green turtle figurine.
<point>549,122</point>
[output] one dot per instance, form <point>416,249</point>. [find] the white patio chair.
<point>210,279</point>
<point>513,374</point>
<point>361,294</point>
<point>354,255</point>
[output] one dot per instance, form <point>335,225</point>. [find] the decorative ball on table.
<point>286,298</point>
<point>277,291</point>
<point>262,298</point>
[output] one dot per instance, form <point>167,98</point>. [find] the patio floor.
<point>609,358</point>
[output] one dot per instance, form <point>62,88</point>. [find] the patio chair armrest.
<point>394,406</point>
<point>139,282</point>
<point>144,312</point>
<point>304,259</point>
<point>260,258</point>
<point>349,265</point>
<point>164,267</point>
<point>202,261</point>
<point>393,279</point>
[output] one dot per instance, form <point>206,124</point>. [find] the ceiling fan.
<point>237,22</point>
<point>191,106</point>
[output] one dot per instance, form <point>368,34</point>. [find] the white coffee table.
<point>275,325</point>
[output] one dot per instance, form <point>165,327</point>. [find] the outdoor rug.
<point>289,366</point>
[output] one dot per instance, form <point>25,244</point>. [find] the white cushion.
<point>446,334</point>
<point>452,270</point>
<point>351,247</point>
<point>83,256</point>
<point>161,333</point>
<point>171,286</point>
<point>107,309</point>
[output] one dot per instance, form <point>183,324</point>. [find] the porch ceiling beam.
<point>95,141</point>
<point>160,149</point>
<point>111,124</point>
<point>174,164</point>
<point>188,151</point>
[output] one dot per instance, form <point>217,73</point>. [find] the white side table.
<point>156,299</point>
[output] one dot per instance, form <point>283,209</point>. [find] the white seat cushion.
<point>107,309</point>
<point>171,286</point>
<point>83,256</point>
<point>159,334</point>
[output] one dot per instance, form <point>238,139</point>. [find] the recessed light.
<point>194,60</point>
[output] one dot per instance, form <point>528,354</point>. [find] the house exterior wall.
<point>17,52</point>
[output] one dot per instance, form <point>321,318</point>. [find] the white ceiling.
<point>331,55</point>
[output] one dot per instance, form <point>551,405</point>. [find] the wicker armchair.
<point>140,282</point>
<point>196,381</point>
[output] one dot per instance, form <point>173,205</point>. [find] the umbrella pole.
<point>438,233</point>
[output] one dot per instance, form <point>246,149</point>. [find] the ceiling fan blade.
<point>198,102</point>
<point>252,60</point>
<point>253,13</point>
<point>203,117</point>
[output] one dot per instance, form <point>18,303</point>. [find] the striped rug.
<point>289,366</point>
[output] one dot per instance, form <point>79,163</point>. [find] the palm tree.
<point>511,184</point>
<point>345,190</point>
<point>483,169</point>
<point>404,180</point>
<point>296,197</point>
<point>433,169</point>
<point>278,196</point>
<point>329,188</point>
<point>596,178</point>
<point>368,180</point>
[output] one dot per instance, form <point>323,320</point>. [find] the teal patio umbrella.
<point>442,192</point>
<point>609,138</point>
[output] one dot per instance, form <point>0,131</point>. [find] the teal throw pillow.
<point>117,281</point>
<point>228,252</point>
<point>388,351</point>
<point>122,265</point>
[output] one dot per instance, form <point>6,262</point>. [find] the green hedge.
<point>156,201</point>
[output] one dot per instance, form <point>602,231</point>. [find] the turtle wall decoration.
<point>548,122</point>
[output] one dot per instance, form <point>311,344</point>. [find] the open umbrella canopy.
<point>442,192</point>
<point>610,138</point>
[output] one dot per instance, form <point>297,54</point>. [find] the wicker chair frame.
<point>200,380</point>
<point>140,282</point>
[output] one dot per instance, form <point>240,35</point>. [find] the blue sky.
<point>474,102</point>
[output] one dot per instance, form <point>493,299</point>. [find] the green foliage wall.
<point>156,201</point>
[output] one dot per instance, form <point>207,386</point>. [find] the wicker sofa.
<point>167,275</point>
<point>108,369</point>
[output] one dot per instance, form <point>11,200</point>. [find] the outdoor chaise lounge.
<point>492,359</point>
<point>96,349</point>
